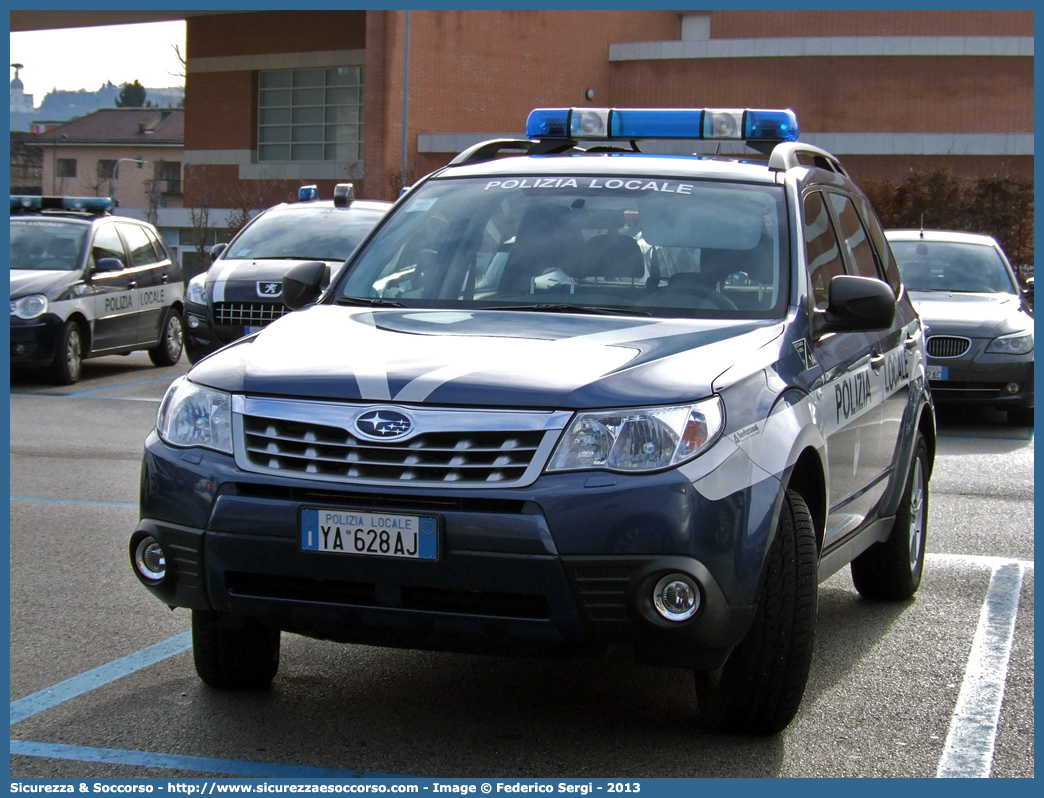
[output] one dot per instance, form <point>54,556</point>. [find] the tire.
<point>233,653</point>
<point>1020,416</point>
<point>168,351</point>
<point>891,570</point>
<point>760,686</point>
<point>68,355</point>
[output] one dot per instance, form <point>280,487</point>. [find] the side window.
<point>157,245</point>
<point>854,236</point>
<point>884,252</point>
<point>107,244</point>
<point>141,251</point>
<point>821,248</point>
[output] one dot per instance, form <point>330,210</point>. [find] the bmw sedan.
<point>980,327</point>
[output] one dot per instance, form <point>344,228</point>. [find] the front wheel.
<point>233,653</point>
<point>760,686</point>
<point>891,571</point>
<point>68,355</point>
<point>168,351</point>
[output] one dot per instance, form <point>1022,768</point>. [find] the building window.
<point>311,115</point>
<point>105,169</point>
<point>170,177</point>
<point>66,167</point>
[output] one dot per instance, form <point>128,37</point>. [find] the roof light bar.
<point>307,193</point>
<point>717,124</point>
<point>38,203</point>
<point>344,195</point>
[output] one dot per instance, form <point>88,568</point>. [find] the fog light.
<point>19,349</point>
<point>150,560</point>
<point>193,322</point>
<point>676,597</point>
<point>1012,387</point>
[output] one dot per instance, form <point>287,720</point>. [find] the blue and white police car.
<point>242,291</point>
<point>85,283</point>
<point>567,396</point>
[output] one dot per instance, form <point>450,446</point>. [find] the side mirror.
<point>216,250</point>
<point>857,304</point>
<point>108,265</point>
<point>303,283</point>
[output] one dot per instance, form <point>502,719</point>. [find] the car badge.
<point>270,288</point>
<point>384,424</point>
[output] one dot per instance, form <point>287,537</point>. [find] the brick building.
<point>277,96</point>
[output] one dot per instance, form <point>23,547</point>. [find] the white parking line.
<point>968,752</point>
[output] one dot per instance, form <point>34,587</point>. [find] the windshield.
<point>47,245</point>
<point>320,233</point>
<point>952,266</point>
<point>642,245</point>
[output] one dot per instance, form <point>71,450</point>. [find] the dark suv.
<point>576,398</point>
<point>85,283</point>
<point>242,291</point>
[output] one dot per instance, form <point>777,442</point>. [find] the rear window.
<point>655,246</point>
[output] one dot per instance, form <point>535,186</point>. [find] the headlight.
<point>197,289</point>
<point>639,439</point>
<point>191,415</point>
<point>1019,343</point>
<point>29,307</point>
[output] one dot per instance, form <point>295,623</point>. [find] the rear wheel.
<point>68,355</point>
<point>233,653</point>
<point>168,351</point>
<point>891,571</point>
<point>759,688</point>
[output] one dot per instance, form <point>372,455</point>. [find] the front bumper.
<point>557,566</point>
<point>207,329</point>
<point>996,380</point>
<point>33,342</point>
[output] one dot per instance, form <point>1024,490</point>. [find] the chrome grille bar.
<point>948,346</point>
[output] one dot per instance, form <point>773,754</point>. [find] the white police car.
<point>575,399</point>
<point>84,284</point>
<point>242,291</point>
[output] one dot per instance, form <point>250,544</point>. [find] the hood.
<point>236,280</point>
<point>484,358</point>
<point>970,315</point>
<point>29,281</point>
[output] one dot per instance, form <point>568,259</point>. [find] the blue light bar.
<point>307,193</point>
<point>663,123</point>
<point>38,203</point>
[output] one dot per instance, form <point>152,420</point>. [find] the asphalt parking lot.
<point>102,682</point>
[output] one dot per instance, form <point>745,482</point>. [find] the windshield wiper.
<point>373,302</point>
<point>550,307</point>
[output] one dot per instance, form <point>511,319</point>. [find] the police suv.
<point>84,284</point>
<point>577,398</point>
<point>242,291</point>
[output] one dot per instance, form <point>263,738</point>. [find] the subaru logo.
<point>384,423</point>
<point>270,288</point>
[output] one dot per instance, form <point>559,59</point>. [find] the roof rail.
<point>488,150</point>
<point>786,156</point>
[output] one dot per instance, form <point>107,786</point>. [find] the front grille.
<point>315,440</point>
<point>948,346</point>
<point>248,314</point>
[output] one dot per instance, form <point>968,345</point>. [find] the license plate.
<point>369,534</point>
<point>937,372</point>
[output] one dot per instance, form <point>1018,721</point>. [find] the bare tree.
<point>247,198</point>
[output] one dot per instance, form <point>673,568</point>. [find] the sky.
<point>85,58</point>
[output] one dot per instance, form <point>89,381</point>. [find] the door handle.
<point>164,278</point>
<point>911,340</point>
<point>877,360</point>
<point>132,284</point>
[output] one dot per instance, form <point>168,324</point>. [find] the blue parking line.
<point>202,764</point>
<point>91,680</point>
<point>72,501</point>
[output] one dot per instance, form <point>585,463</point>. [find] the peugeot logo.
<point>384,423</point>
<point>266,288</point>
